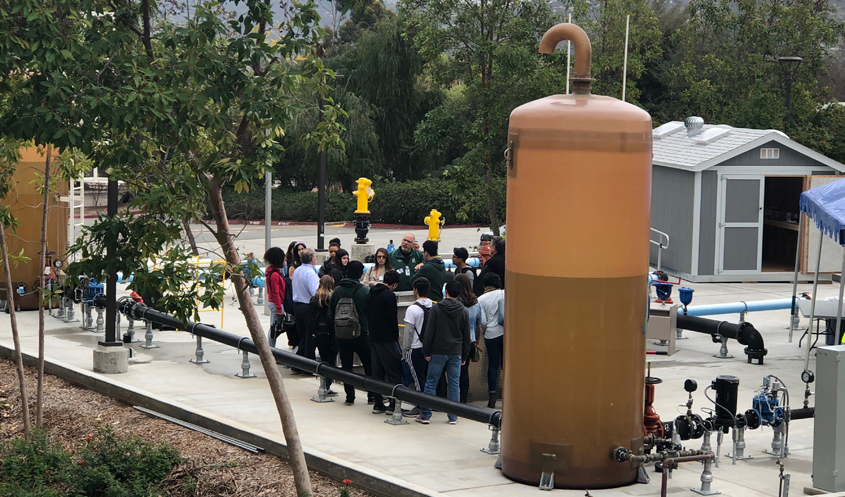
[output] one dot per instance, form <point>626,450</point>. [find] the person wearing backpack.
<point>322,326</point>
<point>384,336</point>
<point>494,331</point>
<point>446,345</point>
<point>275,283</point>
<point>416,318</point>
<point>459,259</point>
<point>349,308</point>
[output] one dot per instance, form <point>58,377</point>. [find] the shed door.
<point>740,223</point>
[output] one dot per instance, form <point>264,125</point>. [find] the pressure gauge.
<point>807,376</point>
<point>58,264</point>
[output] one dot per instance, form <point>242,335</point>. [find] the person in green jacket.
<point>405,260</point>
<point>432,269</point>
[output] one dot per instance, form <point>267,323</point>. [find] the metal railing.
<point>493,418</point>
<point>660,246</point>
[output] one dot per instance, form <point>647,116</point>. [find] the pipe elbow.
<point>583,51</point>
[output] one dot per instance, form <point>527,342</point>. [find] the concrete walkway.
<point>439,458</point>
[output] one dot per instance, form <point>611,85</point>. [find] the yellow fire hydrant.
<point>434,221</point>
<point>365,195</point>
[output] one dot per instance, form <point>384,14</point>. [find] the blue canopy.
<point>826,206</point>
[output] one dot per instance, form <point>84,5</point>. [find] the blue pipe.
<point>739,307</point>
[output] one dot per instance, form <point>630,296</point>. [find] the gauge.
<point>807,376</point>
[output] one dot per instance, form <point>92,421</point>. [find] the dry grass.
<point>210,467</point>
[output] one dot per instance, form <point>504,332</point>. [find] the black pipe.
<point>803,413</point>
<point>744,333</point>
<point>139,311</point>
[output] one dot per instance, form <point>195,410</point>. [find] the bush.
<point>103,465</point>
<point>394,203</point>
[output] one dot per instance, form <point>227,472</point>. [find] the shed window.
<point>770,153</point>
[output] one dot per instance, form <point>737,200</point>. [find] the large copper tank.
<point>579,182</point>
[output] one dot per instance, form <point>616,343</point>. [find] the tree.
<point>728,70</point>
<point>605,22</point>
<point>177,112</point>
<point>490,50</point>
<point>9,156</point>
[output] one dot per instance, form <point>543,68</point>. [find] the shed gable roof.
<point>673,148</point>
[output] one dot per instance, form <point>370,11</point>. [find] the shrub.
<point>103,465</point>
<point>394,203</point>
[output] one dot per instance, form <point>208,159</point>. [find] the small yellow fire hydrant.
<point>434,221</point>
<point>365,195</point>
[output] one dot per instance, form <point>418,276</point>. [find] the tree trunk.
<point>491,198</point>
<point>39,395</point>
<point>190,235</point>
<point>301,478</point>
<point>10,301</point>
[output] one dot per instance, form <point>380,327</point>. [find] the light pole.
<point>321,188</point>
<point>789,66</point>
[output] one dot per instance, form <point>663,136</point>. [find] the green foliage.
<point>491,49</point>
<point>605,22</point>
<point>461,201</point>
<point>728,71</point>
<point>103,465</point>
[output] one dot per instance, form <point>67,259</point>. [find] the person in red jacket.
<point>275,284</point>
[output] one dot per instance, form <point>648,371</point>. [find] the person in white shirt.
<point>411,338</point>
<point>494,331</point>
<point>305,284</point>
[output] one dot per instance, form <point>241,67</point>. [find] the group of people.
<point>339,310</point>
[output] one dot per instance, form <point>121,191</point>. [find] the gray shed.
<point>728,200</point>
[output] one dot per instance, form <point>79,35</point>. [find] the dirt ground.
<point>210,468</point>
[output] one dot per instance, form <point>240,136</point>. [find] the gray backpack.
<point>346,323</point>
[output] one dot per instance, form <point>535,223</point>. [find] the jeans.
<point>452,365</point>
<point>495,355</point>
<point>275,315</point>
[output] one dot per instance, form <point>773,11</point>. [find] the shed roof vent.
<point>711,135</point>
<point>694,125</point>
<point>667,129</point>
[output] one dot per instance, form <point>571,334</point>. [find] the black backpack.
<point>426,313</point>
<point>470,269</point>
<point>347,324</point>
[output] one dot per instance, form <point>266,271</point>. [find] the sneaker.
<point>331,393</point>
<point>411,413</point>
<point>371,400</point>
<point>421,420</point>
<point>349,401</point>
<point>390,408</point>
<point>378,408</point>
<point>453,421</point>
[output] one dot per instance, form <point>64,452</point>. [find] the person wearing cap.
<point>459,259</point>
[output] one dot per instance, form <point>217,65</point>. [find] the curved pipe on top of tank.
<point>744,333</point>
<point>739,307</point>
<point>139,311</point>
<point>581,75</point>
